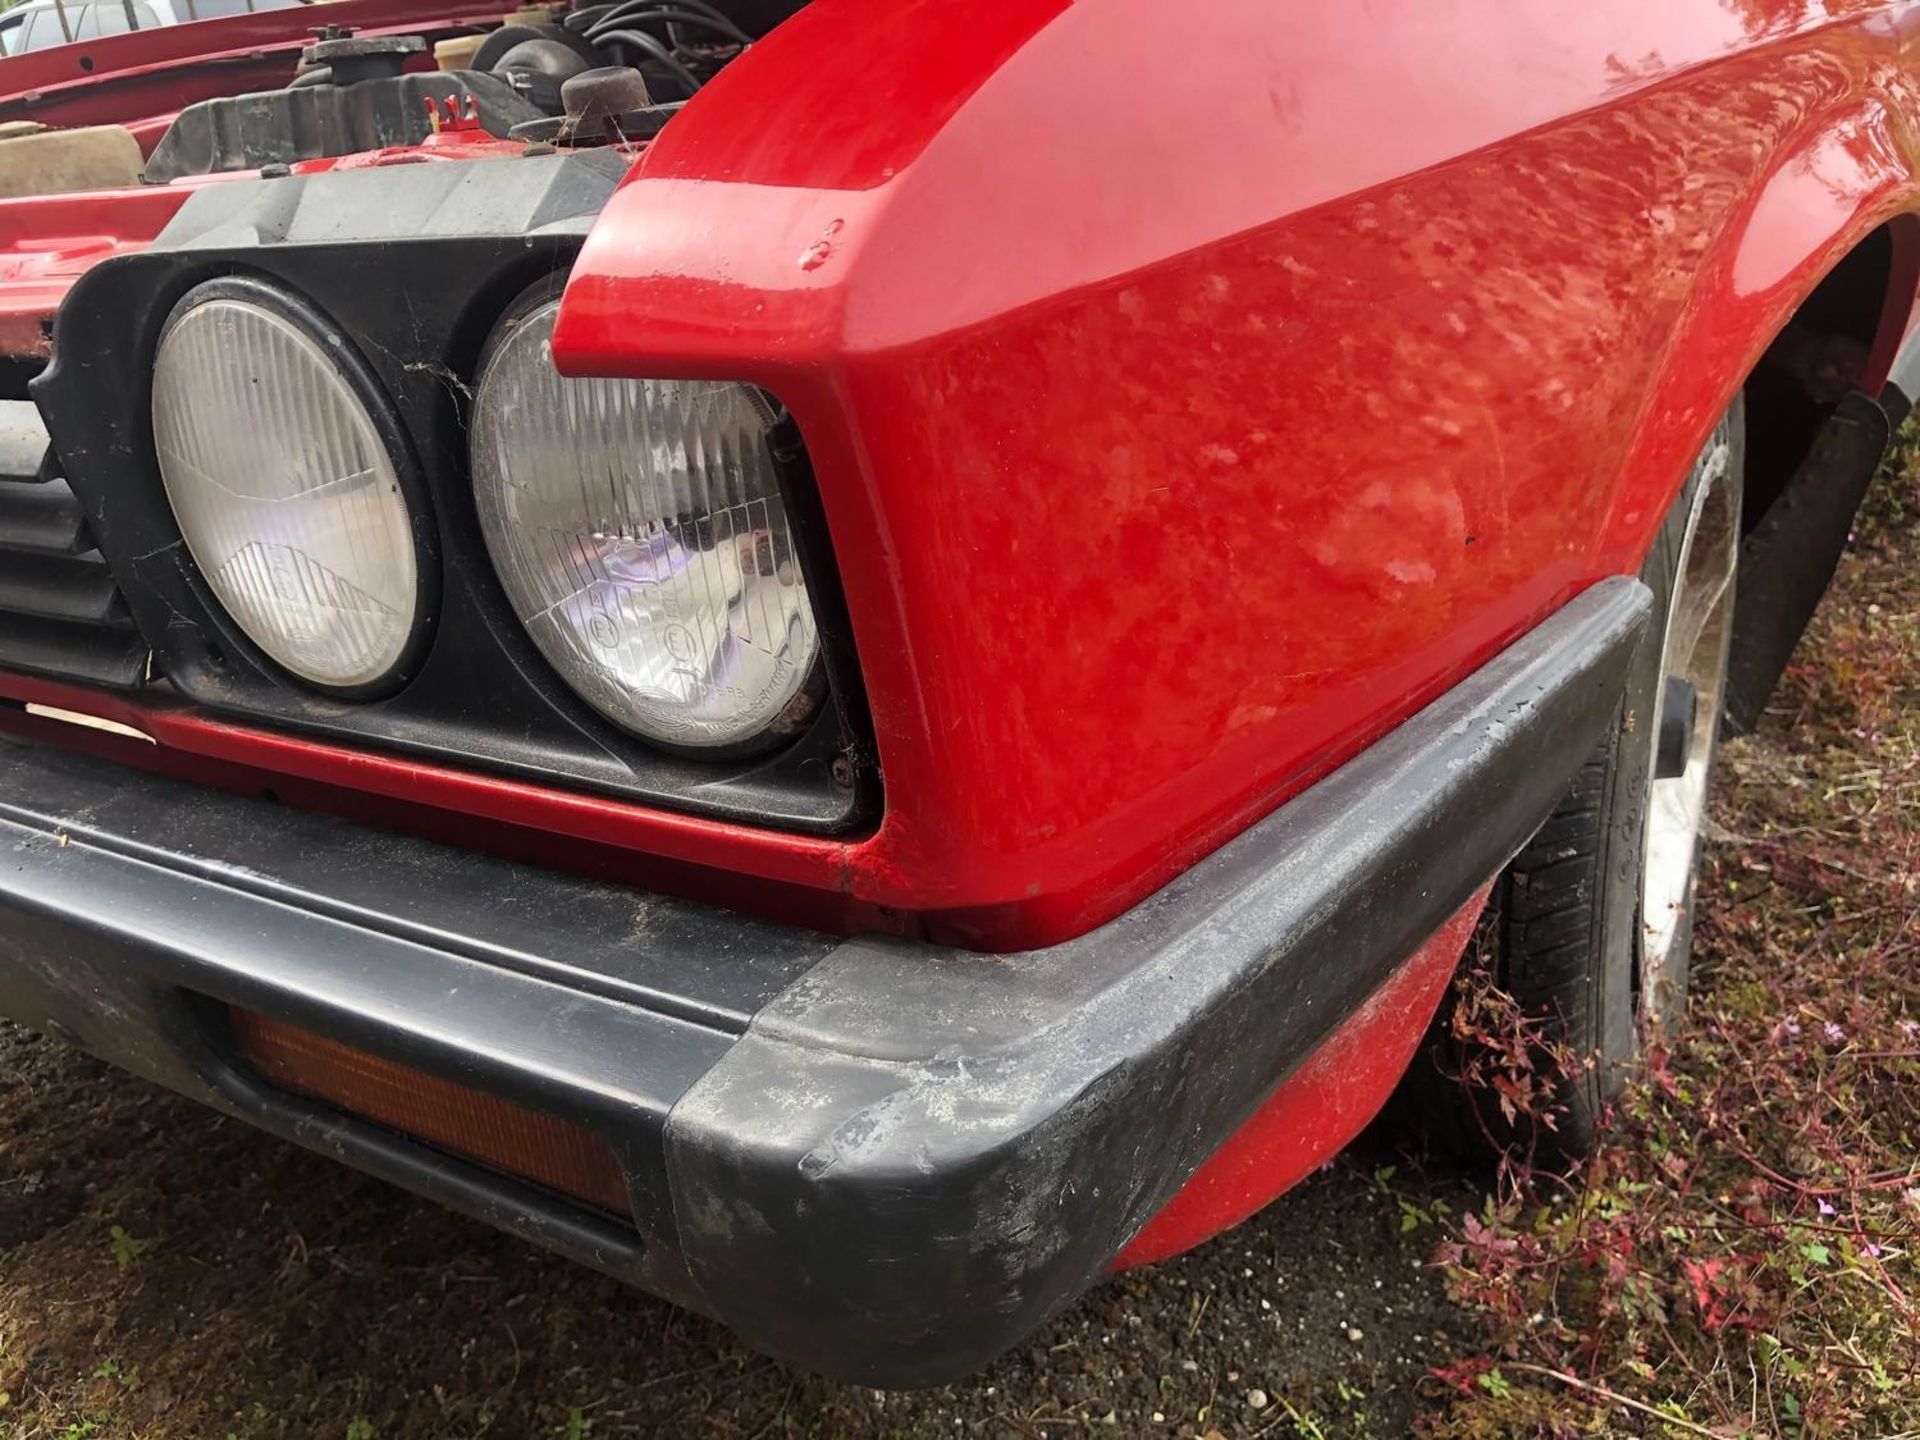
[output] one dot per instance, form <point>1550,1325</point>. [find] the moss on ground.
<point>1744,1258</point>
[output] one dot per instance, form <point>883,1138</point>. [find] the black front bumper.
<point>878,1159</point>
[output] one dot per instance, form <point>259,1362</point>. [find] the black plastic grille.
<point>61,615</point>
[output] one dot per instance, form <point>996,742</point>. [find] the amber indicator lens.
<point>454,1118</point>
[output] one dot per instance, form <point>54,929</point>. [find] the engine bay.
<point>566,75</point>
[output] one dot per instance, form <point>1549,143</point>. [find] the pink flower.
<point>1835,1035</point>
<point>1826,1209</point>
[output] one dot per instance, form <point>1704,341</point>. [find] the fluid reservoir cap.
<point>596,99</point>
<point>458,52</point>
<point>353,58</point>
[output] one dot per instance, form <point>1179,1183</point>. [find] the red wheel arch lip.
<point>1315,1112</point>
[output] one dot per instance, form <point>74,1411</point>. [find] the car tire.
<point>1589,929</point>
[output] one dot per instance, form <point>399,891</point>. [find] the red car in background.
<point>859,660</point>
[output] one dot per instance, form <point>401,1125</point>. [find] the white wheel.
<point>1686,727</point>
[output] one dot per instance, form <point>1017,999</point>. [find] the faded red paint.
<point>1318,1109</point>
<point>49,241</point>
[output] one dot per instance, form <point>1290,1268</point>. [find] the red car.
<point>859,660</point>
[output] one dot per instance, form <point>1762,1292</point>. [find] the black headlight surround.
<point>415,264</point>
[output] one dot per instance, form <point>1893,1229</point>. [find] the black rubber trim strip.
<point>911,1160</point>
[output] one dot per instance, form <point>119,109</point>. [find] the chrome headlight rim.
<point>383,414</point>
<point>803,711</point>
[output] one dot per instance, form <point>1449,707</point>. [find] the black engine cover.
<point>307,122</point>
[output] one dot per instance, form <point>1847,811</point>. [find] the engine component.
<point>595,98</point>
<point>536,60</point>
<point>604,106</point>
<point>37,161</point>
<point>457,53</point>
<point>630,130</point>
<point>609,106</point>
<point>499,43</point>
<point>311,120</point>
<point>757,17</point>
<point>677,44</point>
<point>348,59</point>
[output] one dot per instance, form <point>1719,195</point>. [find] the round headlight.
<point>639,531</point>
<point>285,486</point>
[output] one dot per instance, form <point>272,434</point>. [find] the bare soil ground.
<point>1740,1263</point>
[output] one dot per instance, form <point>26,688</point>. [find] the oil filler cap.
<point>349,59</point>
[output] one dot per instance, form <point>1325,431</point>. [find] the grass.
<point>1743,1259</point>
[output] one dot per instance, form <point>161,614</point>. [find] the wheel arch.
<point>1842,337</point>
<point>1805,303</point>
<point>1832,230</point>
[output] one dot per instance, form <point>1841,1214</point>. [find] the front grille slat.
<point>24,445</point>
<point>66,651</point>
<point>42,519</point>
<point>62,587</point>
<point>61,614</point>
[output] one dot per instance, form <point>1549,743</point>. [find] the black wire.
<point>592,16</point>
<point>652,10</point>
<point>587,17</point>
<point>640,40</point>
<point>724,28</point>
<point>703,6</point>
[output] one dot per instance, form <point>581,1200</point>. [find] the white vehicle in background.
<point>39,24</point>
